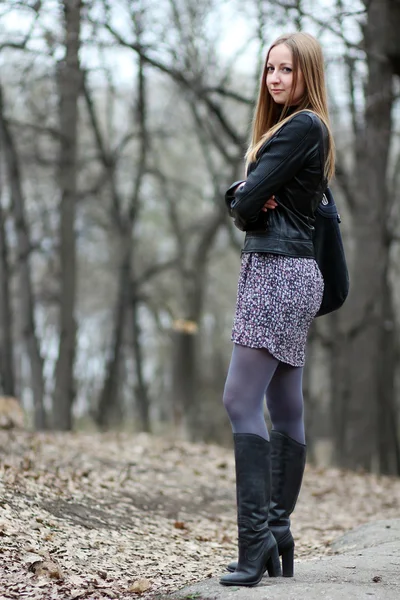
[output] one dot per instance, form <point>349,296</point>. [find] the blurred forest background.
<point>122,122</point>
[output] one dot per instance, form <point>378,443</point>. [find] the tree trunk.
<point>70,82</point>
<point>7,378</point>
<point>392,36</point>
<point>388,433</point>
<point>185,394</point>
<point>26,296</point>
<point>142,399</point>
<point>339,389</point>
<point>364,311</point>
<point>186,370</point>
<point>109,410</point>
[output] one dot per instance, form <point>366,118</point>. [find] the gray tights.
<point>254,373</point>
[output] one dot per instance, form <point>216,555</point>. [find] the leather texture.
<point>288,459</point>
<point>258,550</point>
<point>330,255</point>
<point>290,166</point>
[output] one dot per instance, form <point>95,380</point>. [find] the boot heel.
<point>274,564</point>
<point>288,562</point>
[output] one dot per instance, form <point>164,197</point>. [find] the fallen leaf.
<point>180,525</point>
<point>140,586</point>
<point>47,568</point>
<point>102,574</point>
<point>226,539</point>
<point>75,594</point>
<point>76,580</point>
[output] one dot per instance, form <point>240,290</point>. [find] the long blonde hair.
<point>269,117</point>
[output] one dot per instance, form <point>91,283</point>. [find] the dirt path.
<point>109,515</point>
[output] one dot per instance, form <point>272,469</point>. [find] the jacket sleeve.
<point>230,193</point>
<point>229,198</point>
<point>282,157</point>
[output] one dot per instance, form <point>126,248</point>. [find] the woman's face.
<point>280,76</point>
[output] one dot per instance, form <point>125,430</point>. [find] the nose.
<point>273,76</point>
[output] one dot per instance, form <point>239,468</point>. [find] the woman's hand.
<point>270,204</point>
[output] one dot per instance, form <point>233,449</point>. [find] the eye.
<point>270,69</point>
<point>287,70</point>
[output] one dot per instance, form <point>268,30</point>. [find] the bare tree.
<point>366,409</point>
<point>26,296</point>
<point>192,71</point>
<point>70,83</point>
<point>7,377</point>
<point>126,221</point>
<point>127,295</point>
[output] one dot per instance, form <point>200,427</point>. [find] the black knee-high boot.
<point>258,550</point>
<point>288,459</point>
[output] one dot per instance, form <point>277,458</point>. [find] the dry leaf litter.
<point>126,516</point>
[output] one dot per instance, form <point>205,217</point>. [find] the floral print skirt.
<point>278,297</point>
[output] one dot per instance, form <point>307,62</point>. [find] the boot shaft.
<point>253,475</point>
<point>288,459</point>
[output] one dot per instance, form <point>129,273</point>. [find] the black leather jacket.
<point>290,166</point>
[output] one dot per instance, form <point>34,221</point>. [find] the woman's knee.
<point>231,401</point>
<point>286,408</point>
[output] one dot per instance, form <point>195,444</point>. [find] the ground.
<point>118,516</point>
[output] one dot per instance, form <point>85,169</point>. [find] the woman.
<point>289,163</point>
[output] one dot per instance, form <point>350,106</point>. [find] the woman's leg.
<point>285,401</point>
<point>250,373</point>
<point>288,456</point>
